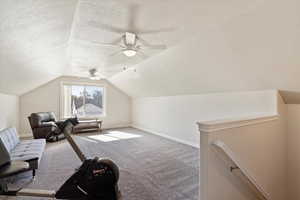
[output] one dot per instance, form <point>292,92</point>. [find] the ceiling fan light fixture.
<point>95,78</point>
<point>129,52</point>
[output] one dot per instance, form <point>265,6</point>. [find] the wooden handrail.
<point>235,167</point>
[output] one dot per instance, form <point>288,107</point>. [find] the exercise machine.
<point>95,179</point>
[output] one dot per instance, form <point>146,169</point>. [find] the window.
<point>83,101</point>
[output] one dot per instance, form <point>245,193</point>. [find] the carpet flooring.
<point>151,167</point>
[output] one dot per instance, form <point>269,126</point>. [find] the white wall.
<point>175,116</point>
<point>9,111</point>
<point>259,145</point>
<point>47,98</point>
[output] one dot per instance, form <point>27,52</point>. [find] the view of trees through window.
<point>86,100</point>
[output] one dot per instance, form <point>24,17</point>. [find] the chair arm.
<point>59,123</point>
<point>47,124</point>
<point>13,168</point>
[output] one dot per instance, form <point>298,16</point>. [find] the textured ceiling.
<point>257,50</point>
<point>33,39</point>
<point>212,45</point>
<point>158,22</point>
<point>43,39</point>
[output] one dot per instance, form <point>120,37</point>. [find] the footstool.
<point>88,126</point>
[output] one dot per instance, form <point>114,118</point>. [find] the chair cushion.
<point>10,138</point>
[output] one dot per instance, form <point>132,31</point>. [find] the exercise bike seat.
<point>13,168</point>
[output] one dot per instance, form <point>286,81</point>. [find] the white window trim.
<point>61,103</point>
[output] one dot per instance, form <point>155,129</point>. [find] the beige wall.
<point>47,98</point>
<point>294,150</point>
<point>9,111</point>
<point>261,147</point>
<point>175,116</point>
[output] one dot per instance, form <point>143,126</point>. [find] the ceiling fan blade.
<point>112,70</point>
<point>153,31</point>
<point>147,45</point>
<point>142,55</point>
<point>116,53</point>
<point>117,41</point>
<point>155,47</point>
<point>94,43</point>
<point>107,27</point>
<point>142,41</point>
<point>105,44</point>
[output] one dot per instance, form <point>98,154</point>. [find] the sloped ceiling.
<point>158,22</point>
<point>43,39</point>
<point>33,39</point>
<point>259,49</point>
<point>213,45</point>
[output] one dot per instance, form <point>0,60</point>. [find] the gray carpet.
<point>152,168</point>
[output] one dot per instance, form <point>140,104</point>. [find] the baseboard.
<point>165,136</point>
<point>107,127</point>
<point>112,126</point>
<point>26,136</point>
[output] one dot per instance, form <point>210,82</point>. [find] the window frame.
<point>62,95</point>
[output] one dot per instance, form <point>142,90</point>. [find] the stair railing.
<point>235,167</point>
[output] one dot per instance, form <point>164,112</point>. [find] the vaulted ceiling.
<point>212,45</point>
<point>257,50</point>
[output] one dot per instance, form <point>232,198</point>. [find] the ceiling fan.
<point>130,42</point>
<point>94,75</point>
